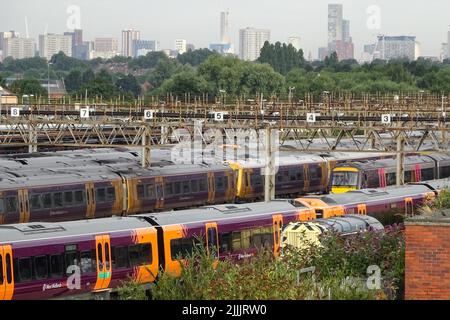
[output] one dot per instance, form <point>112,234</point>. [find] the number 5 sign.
<point>219,116</point>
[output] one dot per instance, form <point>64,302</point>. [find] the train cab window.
<point>120,257</point>
<point>236,241</point>
<point>111,194</point>
<point>194,186</point>
<point>87,262</point>
<point>186,187</point>
<point>68,198</point>
<point>202,186</point>
<point>100,195</point>
<point>140,191</point>
<point>169,189</point>
<point>25,269</point>
<point>58,200</point>
<point>177,188</point>
<point>79,197</point>
<point>47,200</point>
<point>150,191</point>
<point>56,266</point>
<point>72,259</point>
<point>41,267</point>
<point>225,242</point>
<point>11,204</point>
<point>35,202</point>
<point>427,174</point>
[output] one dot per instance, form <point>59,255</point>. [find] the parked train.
<point>380,173</point>
<point>37,260</point>
<point>69,186</point>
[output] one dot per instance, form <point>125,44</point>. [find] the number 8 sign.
<point>15,112</point>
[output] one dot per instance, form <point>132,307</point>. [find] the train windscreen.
<point>345,179</point>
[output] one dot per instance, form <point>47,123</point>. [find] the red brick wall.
<point>427,261</point>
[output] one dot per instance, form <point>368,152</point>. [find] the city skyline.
<point>306,18</point>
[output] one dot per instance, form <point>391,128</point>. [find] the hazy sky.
<point>198,20</point>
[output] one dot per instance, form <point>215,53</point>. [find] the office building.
<point>251,41</point>
<point>181,46</point>
<point>128,36</point>
<point>142,47</point>
<point>105,48</point>
<point>224,28</point>
<point>51,44</point>
<point>396,47</point>
<point>222,48</point>
<point>295,42</point>
<point>19,48</point>
<point>335,22</point>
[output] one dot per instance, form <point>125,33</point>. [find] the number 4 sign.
<point>311,117</point>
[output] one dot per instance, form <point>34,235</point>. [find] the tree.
<point>28,86</point>
<point>283,58</point>
<point>62,62</point>
<point>148,61</point>
<point>129,84</point>
<point>2,81</point>
<point>74,81</point>
<point>196,57</point>
<point>185,82</point>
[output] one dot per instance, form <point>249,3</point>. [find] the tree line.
<point>200,72</point>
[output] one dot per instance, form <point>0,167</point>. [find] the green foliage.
<point>196,57</point>
<point>443,200</point>
<point>22,65</point>
<point>62,62</point>
<point>148,61</point>
<point>340,273</point>
<point>185,82</point>
<point>131,290</point>
<point>27,86</point>
<point>283,58</point>
<point>129,84</point>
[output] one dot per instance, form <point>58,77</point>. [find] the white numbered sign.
<point>84,113</point>
<point>219,116</point>
<point>386,118</point>
<point>15,112</point>
<point>149,114</point>
<point>311,117</point>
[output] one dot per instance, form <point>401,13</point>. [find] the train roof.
<point>351,223</point>
<point>385,163</point>
<point>221,212</point>
<point>366,195</point>
<point>39,231</point>
<point>282,160</point>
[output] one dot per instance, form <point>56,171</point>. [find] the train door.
<point>231,188</point>
<point>90,201</point>
<point>211,188</point>
<point>382,177</point>
<point>103,257</point>
<point>277,221</point>
<point>306,178</point>
<point>24,206</point>
<point>159,184</point>
<point>418,173</point>
<point>212,240</point>
<point>6,273</point>
<point>409,207</point>
<point>362,209</point>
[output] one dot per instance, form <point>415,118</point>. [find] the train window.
<point>150,191</point>
<point>111,194</point>
<point>279,177</point>
<point>177,188</point>
<point>292,175</point>
<point>225,242</point>
<point>202,186</point>
<point>316,172</point>
<point>140,191</point>
<point>194,186</point>
<point>444,172</point>
<point>219,183</point>
<point>47,200</point>
<point>256,180</point>
<point>107,257</point>
<point>255,239</point>
<point>56,266</point>
<point>68,198</point>
<point>175,248</point>
<point>25,269</point>
<point>72,259</point>
<point>41,267</point>
<point>236,241</point>
<point>169,189</point>
<point>408,176</point>
<point>8,268</point>
<point>427,174</point>
<point>87,262</point>
<point>245,238</point>
<point>186,187</point>
<point>79,196</point>
<point>140,255</point>
<point>2,205</point>
<point>100,195</point>
<point>182,247</point>
<point>11,204</point>
<point>225,182</point>
<point>58,200</point>
<point>120,257</point>
<point>299,174</point>
<point>35,202</point>
<point>1,269</point>
<point>391,179</point>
